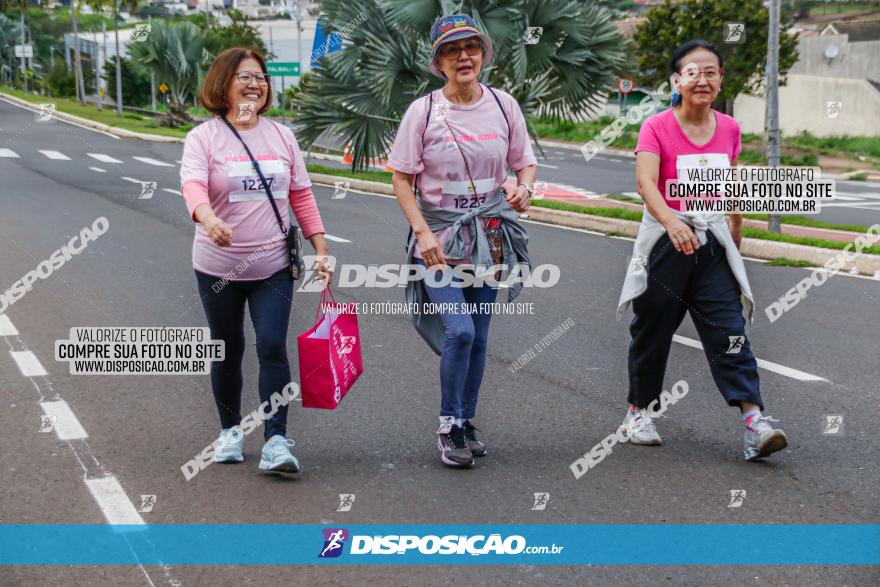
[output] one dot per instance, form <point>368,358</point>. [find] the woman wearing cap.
<point>453,147</point>
<point>690,263</point>
<point>239,251</point>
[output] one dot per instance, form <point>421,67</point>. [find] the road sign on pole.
<point>27,52</point>
<point>282,68</point>
<point>625,85</point>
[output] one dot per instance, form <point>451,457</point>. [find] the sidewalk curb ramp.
<point>751,247</point>
<point>120,132</point>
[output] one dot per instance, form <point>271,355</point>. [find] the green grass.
<point>858,177</point>
<point>127,121</point>
<point>802,221</point>
<point>621,213</point>
<point>801,240</point>
<point>783,262</point>
<point>622,198</point>
<point>380,176</point>
<point>581,132</point>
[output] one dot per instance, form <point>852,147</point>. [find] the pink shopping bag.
<point>330,358</point>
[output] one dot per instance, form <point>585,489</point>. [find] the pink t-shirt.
<point>482,134</point>
<point>215,159</point>
<point>662,135</point>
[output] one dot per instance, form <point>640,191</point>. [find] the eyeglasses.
<point>245,77</point>
<point>472,48</point>
<point>710,73</point>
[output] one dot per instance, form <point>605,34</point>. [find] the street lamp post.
<point>773,146</point>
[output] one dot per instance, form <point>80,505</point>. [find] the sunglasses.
<point>472,48</point>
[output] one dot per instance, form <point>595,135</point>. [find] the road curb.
<point>751,247</point>
<point>577,147</point>
<point>120,132</point>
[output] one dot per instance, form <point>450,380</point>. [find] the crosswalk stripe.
<point>57,155</point>
<point>98,169</point>
<point>171,191</point>
<point>7,328</point>
<point>768,365</point>
<point>8,153</point>
<point>28,363</point>
<point>104,158</point>
<point>64,421</point>
<point>151,161</point>
<point>336,239</point>
<point>113,501</point>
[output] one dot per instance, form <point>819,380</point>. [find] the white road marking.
<point>548,165</point>
<point>113,501</point>
<point>775,367</point>
<point>133,180</point>
<point>8,153</point>
<point>28,363</point>
<point>57,155</point>
<point>98,169</point>
<point>103,158</point>
<point>7,328</point>
<point>170,191</point>
<point>151,161</point>
<point>336,239</point>
<point>66,425</point>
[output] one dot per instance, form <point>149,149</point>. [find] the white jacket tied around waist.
<point>650,232</point>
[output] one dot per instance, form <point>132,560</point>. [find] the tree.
<point>176,54</point>
<point>671,25</point>
<point>10,33</point>
<point>238,34</point>
<point>362,90</point>
<point>135,85</point>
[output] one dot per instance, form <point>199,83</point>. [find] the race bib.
<point>244,182</point>
<point>460,194</point>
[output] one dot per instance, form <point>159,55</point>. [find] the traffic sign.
<point>282,68</point>
<point>163,88</point>
<point>28,51</point>
<point>625,85</point>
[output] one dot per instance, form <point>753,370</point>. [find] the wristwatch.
<point>529,188</point>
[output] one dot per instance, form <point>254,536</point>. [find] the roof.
<point>857,31</point>
<point>627,27</point>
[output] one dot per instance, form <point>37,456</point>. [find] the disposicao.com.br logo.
<point>455,544</point>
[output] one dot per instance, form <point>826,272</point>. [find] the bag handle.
<point>324,294</point>
<point>263,181</point>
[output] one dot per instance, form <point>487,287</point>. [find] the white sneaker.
<point>230,445</point>
<point>277,458</point>
<point>761,439</point>
<point>643,431</point>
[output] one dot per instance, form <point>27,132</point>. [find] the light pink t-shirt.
<point>482,134</point>
<point>214,157</point>
<point>662,135</point>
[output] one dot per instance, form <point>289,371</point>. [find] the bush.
<point>60,82</point>
<point>135,87</point>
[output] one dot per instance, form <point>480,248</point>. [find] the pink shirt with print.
<point>662,135</point>
<point>216,169</point>
<point>482,134</point>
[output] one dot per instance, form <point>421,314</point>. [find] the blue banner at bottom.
<point>487,544</point>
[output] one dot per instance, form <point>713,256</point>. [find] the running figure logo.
<point>533,34</point>
<point>244,112</point>
<point>340,189</point>
<point>334,541</point>
<point>832,109</point>
<point>736,344</point>
<point>737,497</point>
<point>440,111</point>
<point>46,112</point>
<point>147,189</point>
<point>345,345</point>
<point>47,423</point>
<point>833,424</point>
<point>734,32</point>
<point>147,503</point>
<point>141,32</point>
<point>637,265</point>
<point>541,500</point>
<point>346,500</point>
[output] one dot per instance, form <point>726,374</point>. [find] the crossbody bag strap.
<point>424,130</point>
<point>463,158</point>
<point>503,113</point>
<point>263,181</point>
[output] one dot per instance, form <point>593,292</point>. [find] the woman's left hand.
<point>323,269</point>
<point>735,226</point>
<point>519,199</point>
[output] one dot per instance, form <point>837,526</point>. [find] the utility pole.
<point>773,138</point>
<point>152,74</point>
<point>97,69</point>
<point>77,65</point>
<point>23,52</point>
<point>299,30</point>
<point>118,60</point>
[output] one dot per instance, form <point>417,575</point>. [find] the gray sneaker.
<point>452,445</point>
<point>642,429</point>
<point>761,439</point>
<point>276,456</point>
<point>230,445</point>
<point>477,448</point>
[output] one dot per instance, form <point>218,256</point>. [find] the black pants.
<point>269,302</point>
<point>704,285</point>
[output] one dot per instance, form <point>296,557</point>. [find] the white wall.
<point>802,105</point>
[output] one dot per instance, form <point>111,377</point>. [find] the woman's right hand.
<point>218,231</point>
<point>683,238</point>
<point>430,248</point>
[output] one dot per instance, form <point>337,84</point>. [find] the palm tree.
<point>361,91</point>
<point>10,31</point>
<point>176,54</point>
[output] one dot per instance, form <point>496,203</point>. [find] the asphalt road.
<point>379,444</point>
